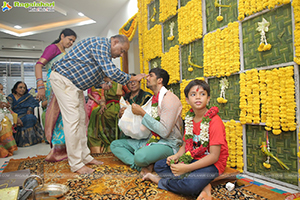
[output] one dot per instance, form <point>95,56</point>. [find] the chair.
<point>38,111</point>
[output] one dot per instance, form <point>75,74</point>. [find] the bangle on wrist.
<point>38,85</point>
<point>39,79</point>
<point>41,87</point>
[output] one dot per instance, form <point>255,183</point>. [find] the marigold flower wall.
<point>229,49</point>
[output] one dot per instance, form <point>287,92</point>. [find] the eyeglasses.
<point>132,82</point>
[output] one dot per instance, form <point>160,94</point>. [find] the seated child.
<point>205,142</point>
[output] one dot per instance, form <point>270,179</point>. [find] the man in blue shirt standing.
<point>87,64</point>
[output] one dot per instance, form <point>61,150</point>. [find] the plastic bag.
<point>131,124</point>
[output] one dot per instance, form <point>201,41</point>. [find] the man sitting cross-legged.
<point>142,154</point>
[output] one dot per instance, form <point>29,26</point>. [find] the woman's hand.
<point>121,112</point>
<point>29,112</point>
<point>179,169</point>
<point>173,157</point>
<point>138,110</point>
<point>4,105</point>
<point>97,101</point>
<point>102,109</point>
<point>19,122</point>
<point>41,94</point>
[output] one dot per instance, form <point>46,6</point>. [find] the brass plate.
<point>54,190</point>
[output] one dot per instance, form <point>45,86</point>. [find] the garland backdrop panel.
<point>227,43</point>
<point>230,14</point>
<point>170,41</point>
<point>283,146</point>
<point>229,110</point>
<point>153,14</point>
<point>280,36</point>
<point>195,50</point>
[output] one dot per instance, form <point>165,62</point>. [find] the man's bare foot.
<point>151,177</point>
<point>148,169</point>
<point>206,193</point>
<point>85,170</point>
<point>95,162</point>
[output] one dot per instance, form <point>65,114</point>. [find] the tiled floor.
<point>271,186</point>
<point>24,152</point>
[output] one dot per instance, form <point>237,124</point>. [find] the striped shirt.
<point>88,62</point>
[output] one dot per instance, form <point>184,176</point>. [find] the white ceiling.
<point>101,11</point>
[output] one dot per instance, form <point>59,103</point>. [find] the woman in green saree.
<point>103,125</point>
<point>136,94</point>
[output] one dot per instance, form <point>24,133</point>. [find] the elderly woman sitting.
<point>28,130</point>
<point>7,142</point>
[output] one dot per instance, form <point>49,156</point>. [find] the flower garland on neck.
<point>154,113</point>
<point>200,147</point>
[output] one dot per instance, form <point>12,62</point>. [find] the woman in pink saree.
<point>94,95</point>
<point>53,120</point>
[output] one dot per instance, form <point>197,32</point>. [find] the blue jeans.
<point>193,184</point>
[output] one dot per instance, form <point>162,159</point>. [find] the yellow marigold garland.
<point>234,137</point>
<point>290,101</point>
<point>153,43</point>
<point>249,95</point>
<point>272,97</point>
<point>185,106</point>
<point>190,22</point>
<point>249,7</point>
<point>243,102</point>
<point>171,63</point>
<point>296,6</point>
<point>222,51</point>
<point>142,17</point>
<point>263,95</point>
<point>167,8</point>
<point>298,154</point>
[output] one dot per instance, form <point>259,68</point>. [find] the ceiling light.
<point>81,14</point>
<point>17,27</point>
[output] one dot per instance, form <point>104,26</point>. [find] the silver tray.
<point>54,190</point>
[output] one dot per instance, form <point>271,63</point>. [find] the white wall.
<point>113,27</point>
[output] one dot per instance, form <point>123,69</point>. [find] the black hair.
<point>14,89</point>
<point>194,82</point>
<point>161,73</point>
<point>66,32</point>
<point>122,38</point>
